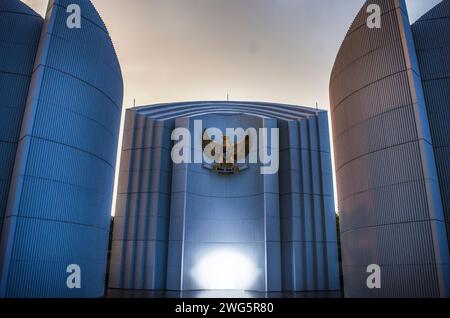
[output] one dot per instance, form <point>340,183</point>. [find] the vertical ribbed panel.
<point>308,231</point>
<point>59,203</point>
<point>17,53</point>
<point>389,201</point>
<point>431,36</point>
<point>142,211</point>
<point>284,223</point>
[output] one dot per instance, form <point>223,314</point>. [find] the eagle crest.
<point>226,163</point>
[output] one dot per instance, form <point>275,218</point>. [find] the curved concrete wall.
<point>58,209</point>
<point>389,199</point>
<point>17,55</point>
<point>431,37</point>
<point>169,216</point>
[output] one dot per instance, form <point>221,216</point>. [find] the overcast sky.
<point>265,50</point>
<point>260,50</point>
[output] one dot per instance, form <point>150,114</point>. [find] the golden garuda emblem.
<point>228,158</point>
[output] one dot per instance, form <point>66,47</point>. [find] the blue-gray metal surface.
<point>17,51</point>
<point>169,217</point>
<point>388,192</point>
<point>59,202</point>
<point>432,40</point>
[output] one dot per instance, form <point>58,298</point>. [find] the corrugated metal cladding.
<point>431,37</point>
<point>17,54</point>
<point>58,208</point>
<point>170,218</point>
<point>388,190</point>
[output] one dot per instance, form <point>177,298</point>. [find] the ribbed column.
<point>431,33</point>
<point>59,201</point>
<point>18,50</point>
<point>389,201</point>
